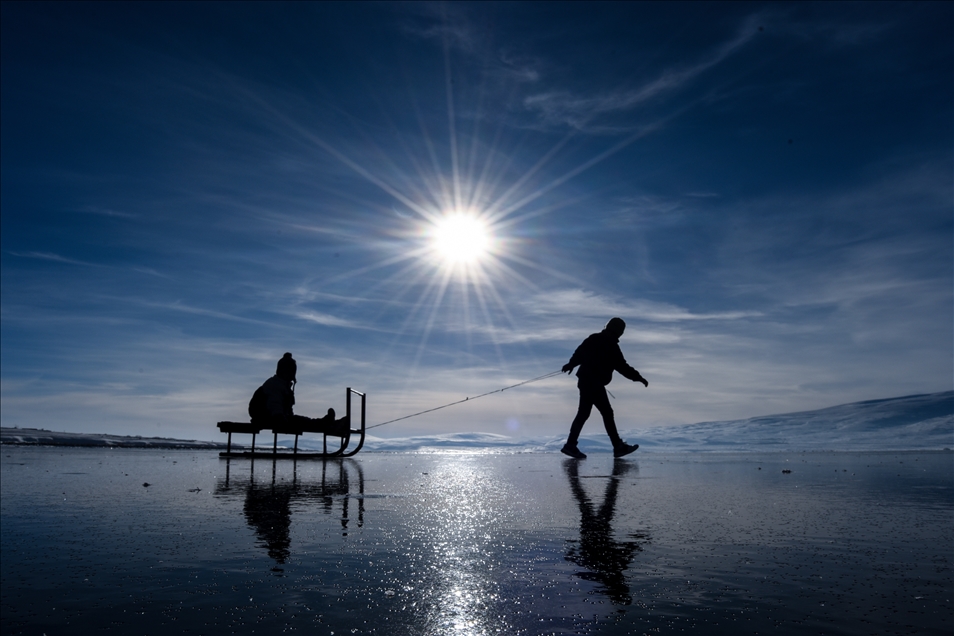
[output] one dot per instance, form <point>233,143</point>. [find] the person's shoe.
<point>573,452</point>
<point>624,449</point>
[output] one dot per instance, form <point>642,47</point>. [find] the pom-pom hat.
<point>287,368</point>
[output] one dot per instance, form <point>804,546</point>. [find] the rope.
<point>466,399</point>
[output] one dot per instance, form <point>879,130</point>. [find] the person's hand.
<point>567,368</point>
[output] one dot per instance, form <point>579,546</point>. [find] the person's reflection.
<point>268,511</point>
<point>603,558</point>
<point>268,506</point>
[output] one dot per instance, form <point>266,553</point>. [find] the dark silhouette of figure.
<point>598,356</point>
<point>603,558</point>
<point>268,506</point>
<point>273,402</point>
<point>268,511</point>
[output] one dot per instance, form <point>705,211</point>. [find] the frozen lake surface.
<point>476,543</point>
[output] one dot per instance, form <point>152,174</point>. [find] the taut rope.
<point>467,399</point>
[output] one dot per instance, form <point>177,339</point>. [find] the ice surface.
<point>475,543</point>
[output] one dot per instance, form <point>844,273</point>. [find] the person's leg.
<point>301,422</point>
<point>582,413</point>
<point>602,404</point>
<point>327,424</point>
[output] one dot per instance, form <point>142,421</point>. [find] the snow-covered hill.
<point>910,422</point>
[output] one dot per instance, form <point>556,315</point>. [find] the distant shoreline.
<point>38,437</point>
<point>43,437</point>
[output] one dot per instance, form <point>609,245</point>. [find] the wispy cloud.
<point>443,22</point>
<point>832,33</point>
<point>518,67</point>
<point>579,302</point>
<point>101,211</point>
<point>179,306</point>
<point>150,272</point>
<point>573,330</point>
<point>49,256</point>
<point>325,319</point>
<point>558,107</point>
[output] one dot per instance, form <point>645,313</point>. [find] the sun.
<point>461,238</point>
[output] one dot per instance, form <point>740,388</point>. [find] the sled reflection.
<point>269,502</point>
<point>603,558</point>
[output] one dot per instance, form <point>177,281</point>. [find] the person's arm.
<point>627,371</point>
<point>575,359</point>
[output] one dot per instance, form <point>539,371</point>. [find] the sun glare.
<point>461,238</point>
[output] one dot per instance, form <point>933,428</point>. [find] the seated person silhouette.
<point>272,405</point>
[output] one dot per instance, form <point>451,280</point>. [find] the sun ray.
<point>451,114</point>
<point>515,218</point>
<point>405,282</point>
<point>426,332</point>
<point>491,290</point>
<point>549,271</point>
<point>494,212</point>
<point>586,165</point>
<point>385,262</point>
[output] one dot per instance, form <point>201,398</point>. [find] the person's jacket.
<point>598,356</point>
<point>273,399</point>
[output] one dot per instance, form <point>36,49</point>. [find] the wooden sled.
<point>343,449</point>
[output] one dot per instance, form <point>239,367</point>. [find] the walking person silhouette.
<point>598,356</point>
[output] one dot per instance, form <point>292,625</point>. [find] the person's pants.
<point>593,395</point>
<point>327,424</point>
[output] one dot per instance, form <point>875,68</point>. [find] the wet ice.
<point>459,543</point>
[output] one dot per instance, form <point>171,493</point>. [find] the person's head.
<point>615,326</point>
<point>287,368</point>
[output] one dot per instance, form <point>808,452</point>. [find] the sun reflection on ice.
<point>465,591</point>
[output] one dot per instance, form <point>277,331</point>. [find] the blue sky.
<point>762,191</point>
